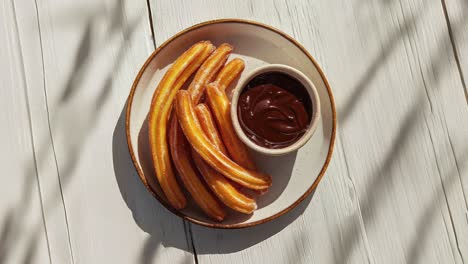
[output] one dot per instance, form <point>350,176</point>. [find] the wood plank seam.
<point>456,162</point>
<point>454,48</point>
<point>150,20</point>
<point>190,236</point>
<point>439,173</point>
<point>436,72</point>
<point>50,131</point>
<point>28,110</point>
<point>453,29</point>
<point>187,225</point>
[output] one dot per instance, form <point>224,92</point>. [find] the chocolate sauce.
<point>274,110</point>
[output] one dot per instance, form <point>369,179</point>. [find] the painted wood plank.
<point>457,20</point>
<point>393,193</point>
<point>91,52</point>
<point>55,217</point>
<point>23,237</point>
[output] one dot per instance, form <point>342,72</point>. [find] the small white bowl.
<point>314,98</point>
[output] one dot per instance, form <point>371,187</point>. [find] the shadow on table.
<point>219,241</point>
<point>147,212</point>
<point>150,216</point>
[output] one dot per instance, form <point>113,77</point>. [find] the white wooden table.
<point>396,190</point>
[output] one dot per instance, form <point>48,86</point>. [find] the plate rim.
<point>130,102</point>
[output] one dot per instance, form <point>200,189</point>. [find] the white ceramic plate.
<point>294,176</point>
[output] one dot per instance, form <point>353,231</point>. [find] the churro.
<point>221,106</point>
<point>205,74</point>
<point>221,186</point>
<point>208,70</point>
<point>229,73</point>
<point>161,104</point>
<point>191,180</point>
<point>213,156</point>
<point>206,121</point>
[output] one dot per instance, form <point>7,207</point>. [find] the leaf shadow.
<point>363,83</point>
<point>426,220</point>
<point>383,175</point>
<point>14,221</point>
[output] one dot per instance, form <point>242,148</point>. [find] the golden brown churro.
<point>161,104</point>
<point>208,70</point>
<point>213,156</point>
<point>205,73</point>
<point>229,73</point>
<point>221,186</point>
<point>208,126</point>
<point>226,76</point>
<point>192,181</point>
<point>221,106</point>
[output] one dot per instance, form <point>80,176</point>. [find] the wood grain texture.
<point>456,17</point>
<point>457,23</point>
<point>394,191</point>
<point>23,236</point>
<point>82,59</point>
<point>55,217</point>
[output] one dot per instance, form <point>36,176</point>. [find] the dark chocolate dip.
<point>274,110</point>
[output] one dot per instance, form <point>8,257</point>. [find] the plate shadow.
<point>223,241</point>
<point>147,212</point>
<point>156,220</point>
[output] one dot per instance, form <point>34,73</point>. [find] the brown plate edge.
<point>244,225</point>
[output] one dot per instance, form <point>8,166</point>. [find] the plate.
<point>294,176</point>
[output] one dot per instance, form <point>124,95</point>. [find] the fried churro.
<point>229,73</point>
<point>221,106</point>
<point>206,121</point>
<point>208,70</point>
<point>212,155</point>
<point>160,108</point>
<point>205,74</point>
<point>221,186</point>
<point>190,178</point>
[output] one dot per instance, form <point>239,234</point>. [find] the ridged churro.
<point>221,106</point>
<point>229,73</point>
<point>205,74</point>
<point>208,125</point>
<point>190,178</point>
<point>160,108</point>
<point>221,186</point>
<point>208,70</point>
<point>226,76</point>
<point>213,156</point>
